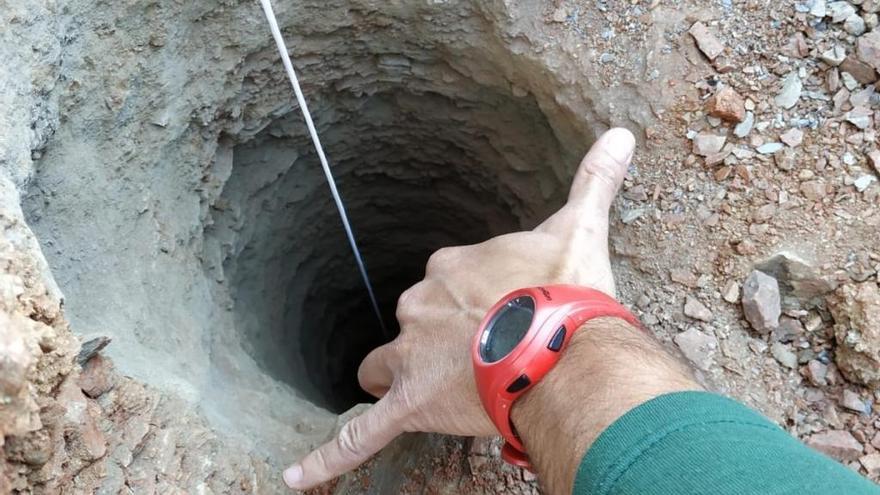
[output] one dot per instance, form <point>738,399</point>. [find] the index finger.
<point>356,442</point>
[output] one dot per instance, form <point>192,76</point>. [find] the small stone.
<point>860,117</point>
<point>96,377</point>
<point>871,20</point>
<point>731,292</point>
<point>788,330</point>
<point>853,402</point>
<point>849,82</point>
<point>761,302</point>
<point>863,182</point>
<point>706,144</point>
<point>785,159</point>
<point>854,25</point>
<point>797,46</point>
<point>834,56</point>
<point>868,49</point>
<point>560,14</point>
<point>727,105</point>
<point>697,347</point>
<point>840,11</point>
<point>818,8</point>
<point>607,58</point>
<point>813,190</point>
<point>839,444</point>
<point>745,127</point>
<point>874,157</point>
<point>631,215</point>
<point>696,310</point>
<point>769,148</point>
<point>683,276</point>
<point>792,137</point>
<point>784,355</point>
<point>791,91</point>
<point>816,372</point>
<point>90,347</point>
<point>706,41</point>
<point>871,463</point>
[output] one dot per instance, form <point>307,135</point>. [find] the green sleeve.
<point>697,442</point>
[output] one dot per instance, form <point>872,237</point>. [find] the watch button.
<point>557,340</point>
<point>519,384</point>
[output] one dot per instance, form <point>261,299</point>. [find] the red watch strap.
<point>561,311</point>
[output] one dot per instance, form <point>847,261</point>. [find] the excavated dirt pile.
<point>179,308</point>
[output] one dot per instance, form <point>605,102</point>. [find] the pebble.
<point>727,105</point>
<point>868,49</point>
<point>863,182</point>
<point>791,91</point>
<point>834,56</point>
<point>854,25</point>
<point>813,190</point>
<point>874,157</point>
<point>706,143</point>
<point>788,330</point>
<point>698,347</point>
<point>769,148</point>
<point>840,11</point>
<point>761,301</point>
<point>731,292</point>
<point>816,372</point>
<point>853,402</point>
<point>839,444</point>
<point>706,41</point>
<point>792,137</point>
<point>696,310</point>
<point>745,127</point>
<point>818,8</point>
<point>630,216</point>
<point>784,355</point>
<point>871,463</point>
<point>860,117</point>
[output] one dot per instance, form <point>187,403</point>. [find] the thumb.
<point>602,170</point>
<point>356,441</point>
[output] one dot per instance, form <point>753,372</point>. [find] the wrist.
<point>608,368</point>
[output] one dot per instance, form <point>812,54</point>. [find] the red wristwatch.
<point>521,339</point>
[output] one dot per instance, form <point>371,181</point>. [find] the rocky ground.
<point>745,238</point>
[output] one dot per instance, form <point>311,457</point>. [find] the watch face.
<point>507,328</point>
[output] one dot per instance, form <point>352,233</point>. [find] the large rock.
<point>800,285</point>
<point>761,301</point>
<point>856,312</point>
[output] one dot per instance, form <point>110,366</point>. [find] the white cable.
<point>285,58</point>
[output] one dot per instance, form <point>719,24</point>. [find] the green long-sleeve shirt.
<point>697,442</point>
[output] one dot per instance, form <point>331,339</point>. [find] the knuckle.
<point>407,303</point>
<point>349,440</point>
<point>442,258</point>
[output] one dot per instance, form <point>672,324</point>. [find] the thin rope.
<point>285,58</point>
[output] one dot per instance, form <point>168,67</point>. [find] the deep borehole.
<point>414,179</point>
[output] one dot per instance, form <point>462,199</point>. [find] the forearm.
<point>607,369</point>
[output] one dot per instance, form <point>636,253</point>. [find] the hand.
<point>424,377</point>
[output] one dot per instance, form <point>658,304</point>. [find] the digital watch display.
<point>521,339</point>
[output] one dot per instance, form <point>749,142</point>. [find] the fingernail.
<point>293,475</point>
<point>621,145</point>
